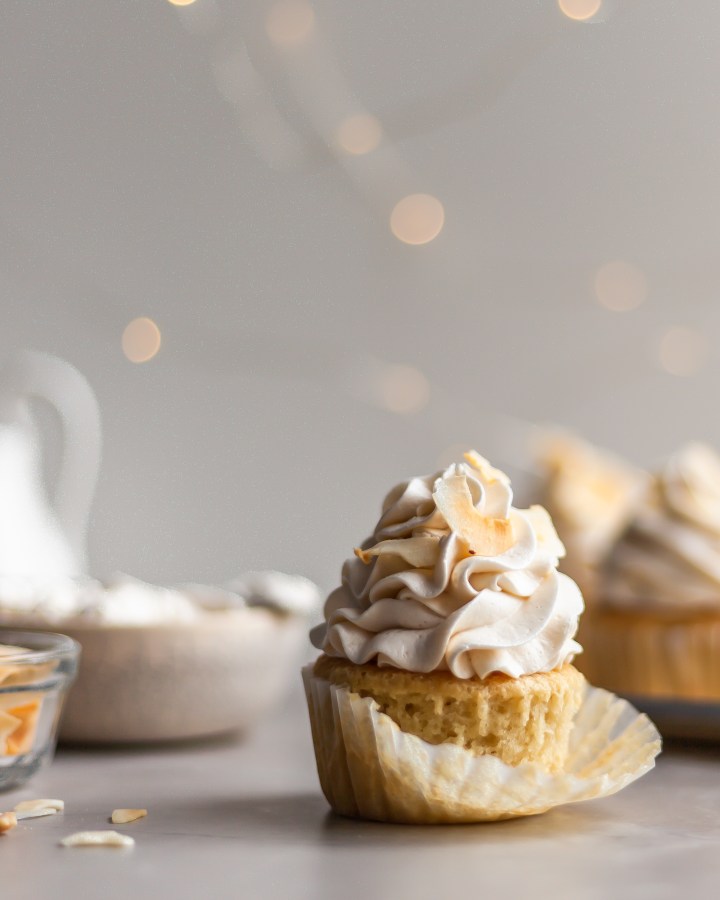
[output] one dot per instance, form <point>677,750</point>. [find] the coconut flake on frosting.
<point>668,559</point>
<point>455,578</point>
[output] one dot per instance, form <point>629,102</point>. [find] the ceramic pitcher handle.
<point>33,374</point>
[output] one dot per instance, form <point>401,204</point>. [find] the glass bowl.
<point>36,670</point>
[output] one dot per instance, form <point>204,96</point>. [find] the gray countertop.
<point>246,819</point>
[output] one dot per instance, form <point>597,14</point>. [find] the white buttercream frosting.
<point>669,556</point>
<point>128,601</point>
<point>430,600</point>
<point>590,493</point>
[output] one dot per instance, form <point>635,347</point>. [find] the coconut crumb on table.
<point>8,821</point>
<point>36,805</point>
<point>97,839</point>
<point>124,816</point>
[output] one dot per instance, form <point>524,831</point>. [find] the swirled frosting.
<point>590,493</point>
<point>455,578</point>
<point>668,559</point>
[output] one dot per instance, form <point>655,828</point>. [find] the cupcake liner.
<point>371,769</point>
<point>651,656</point>
<point>329,745</point>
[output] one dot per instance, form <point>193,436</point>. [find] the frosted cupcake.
<point>656,628</point>
<point>591,495</point>
<point>446,690</point>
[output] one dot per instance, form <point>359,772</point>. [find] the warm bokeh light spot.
<point>141,340</point>
<point>417,219</point>
<point>181,2</point>
<point>620,286</point>
<point>289,22</point>
<point>359,134</point>
<point>403,389</point>
<point>579,10</point>
<point>683,351</point>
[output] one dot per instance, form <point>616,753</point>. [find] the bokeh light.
<point>403,389</point>
<point>417,219</point>
<point>141,340</point>
<point>620,286</point>
<point>580,10</point>
<point>201,18</point>
<point>683,351</point>
<point>359,134</point>
<point>289,22</point>
<point>181,2</point>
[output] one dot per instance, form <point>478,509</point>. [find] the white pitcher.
<point>37,540</point>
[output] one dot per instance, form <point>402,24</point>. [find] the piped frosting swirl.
<point>455,578</point>
<point>668,559</point>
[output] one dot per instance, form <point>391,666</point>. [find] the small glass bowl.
<point>36,670</point>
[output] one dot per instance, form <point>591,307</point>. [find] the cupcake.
<point>445,691</point>
<point>591,495</point>
<point>655,630</point>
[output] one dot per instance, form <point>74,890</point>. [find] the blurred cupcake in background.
<point>591,495</point>
<point>654,629</point>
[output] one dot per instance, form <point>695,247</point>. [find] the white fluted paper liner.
<point>369,768</point>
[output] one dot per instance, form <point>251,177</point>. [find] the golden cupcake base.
<point>526,719</point>
<point>645,655</point>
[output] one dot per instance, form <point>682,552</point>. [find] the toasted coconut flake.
<point>545,531</point>
<point>483,535</point>
<point>98,839</point>
<point>123,816</point>
<point>11,649</point>
<point>18,724</point>
<point>8,725</point>
<point>480,464</point>
<point>8,821</point>
<point>36,814</point>
<point>418,551</point>
<point>7,672</point>
<point>22,737</point>
<point>35,805</point>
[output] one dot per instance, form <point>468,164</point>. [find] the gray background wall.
<point>179,164</point>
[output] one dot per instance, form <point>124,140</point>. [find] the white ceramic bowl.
<point>182,680</point>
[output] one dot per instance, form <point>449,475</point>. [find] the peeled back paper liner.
<point>371,769</point>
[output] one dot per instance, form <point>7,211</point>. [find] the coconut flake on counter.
<point>125,816</point>
<point>97,839</point>
<point>40,806</point>
<point>8,821</point>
